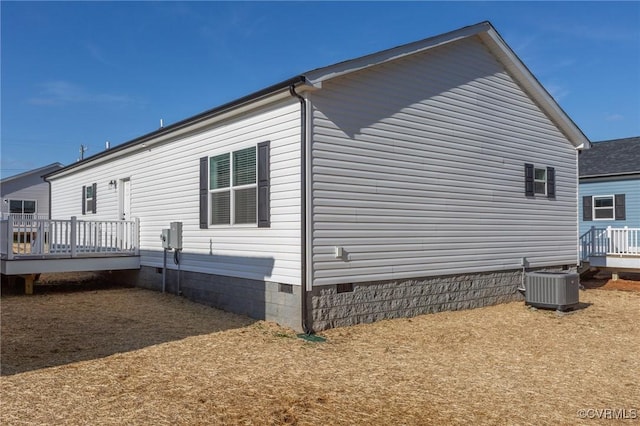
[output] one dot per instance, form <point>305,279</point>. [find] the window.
<point>89,201</point>
<point>603,207</point>
<point>22,206</point>
<point>233,187</point>
<point>539,180</point>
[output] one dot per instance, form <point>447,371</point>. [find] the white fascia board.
<point>326,73</point>
<point>532,86</point>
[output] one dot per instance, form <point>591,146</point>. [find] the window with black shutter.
<point>234,187</point>
<point>89,203</point>
<point>539,181</point>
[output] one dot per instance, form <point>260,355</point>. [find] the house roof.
<point>41,171</point>
<point>614,157</point>
<point>313,79</point>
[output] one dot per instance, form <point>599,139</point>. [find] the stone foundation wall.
<point>336,306</point>
<point>263,300</point>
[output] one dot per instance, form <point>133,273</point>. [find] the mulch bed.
<point>132,356</point>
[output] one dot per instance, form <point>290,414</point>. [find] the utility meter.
<point>164,237</point>
<point>175,235</point>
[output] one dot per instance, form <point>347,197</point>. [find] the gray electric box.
<point>175,235</point>
<point>164,237</point>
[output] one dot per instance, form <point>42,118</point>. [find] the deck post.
<point>136,236</point>
<point>593,241</point>
<point>28,283</point>
<point>74,224</point>
<point>10,237</point>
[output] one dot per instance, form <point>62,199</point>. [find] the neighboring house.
<point>416,179</point>
<point>27,194</point>
<point>610,198</point>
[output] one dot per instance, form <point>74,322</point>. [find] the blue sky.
<point>77,73</point>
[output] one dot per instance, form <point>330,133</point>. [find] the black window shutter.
<point>84,200</point>
<point>620,209</point>
<point>204,193</point>
<point>551,182</point>
<point>95,198</point>
<point>587,208</point>
<point>528,180</point>
<point>264,216</point>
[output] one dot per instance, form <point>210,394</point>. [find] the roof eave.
<point>534,88</point>
<point>175,129</point>
<point>496,45</point>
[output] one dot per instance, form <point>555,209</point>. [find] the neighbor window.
<point>233,188</point>
<point>22,206</point>
<point>603,207</point>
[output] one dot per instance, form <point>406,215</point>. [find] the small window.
<point>603,207</point>
<point>540,181</point>
<point>89,199</point>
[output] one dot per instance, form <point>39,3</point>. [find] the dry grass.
<point>130,356</point>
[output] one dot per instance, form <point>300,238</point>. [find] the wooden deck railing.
<point>20,237</point>
<point>610,241</point>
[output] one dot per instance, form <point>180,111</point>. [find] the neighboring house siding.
<point>629,187</point>
<point>418,171</point>
<point>38,192</point>
<point>29,186</point>
<point>165,188</point>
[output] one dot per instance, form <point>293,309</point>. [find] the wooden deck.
<point>33,246</point>
<point>615,249</point>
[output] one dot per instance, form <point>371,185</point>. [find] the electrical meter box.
<point>175,235</point>
<point>164,237</point>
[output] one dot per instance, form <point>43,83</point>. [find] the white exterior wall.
<point>418,170</point>
<point>165,188</point>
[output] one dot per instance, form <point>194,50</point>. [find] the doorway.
<point>125,199</point>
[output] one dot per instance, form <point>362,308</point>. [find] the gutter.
<point>304,309</point>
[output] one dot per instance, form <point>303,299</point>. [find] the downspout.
<point>50,203</point>
<point>303,210</point>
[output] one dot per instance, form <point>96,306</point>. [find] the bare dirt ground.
<point>131,356</point>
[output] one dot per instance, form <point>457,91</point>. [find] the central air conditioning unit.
<point>556,290</point>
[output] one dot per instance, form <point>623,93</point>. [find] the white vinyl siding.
<point>418,171</point>
<point>164,181</point>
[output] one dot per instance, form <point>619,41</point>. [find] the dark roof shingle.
<point>610,158</point>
